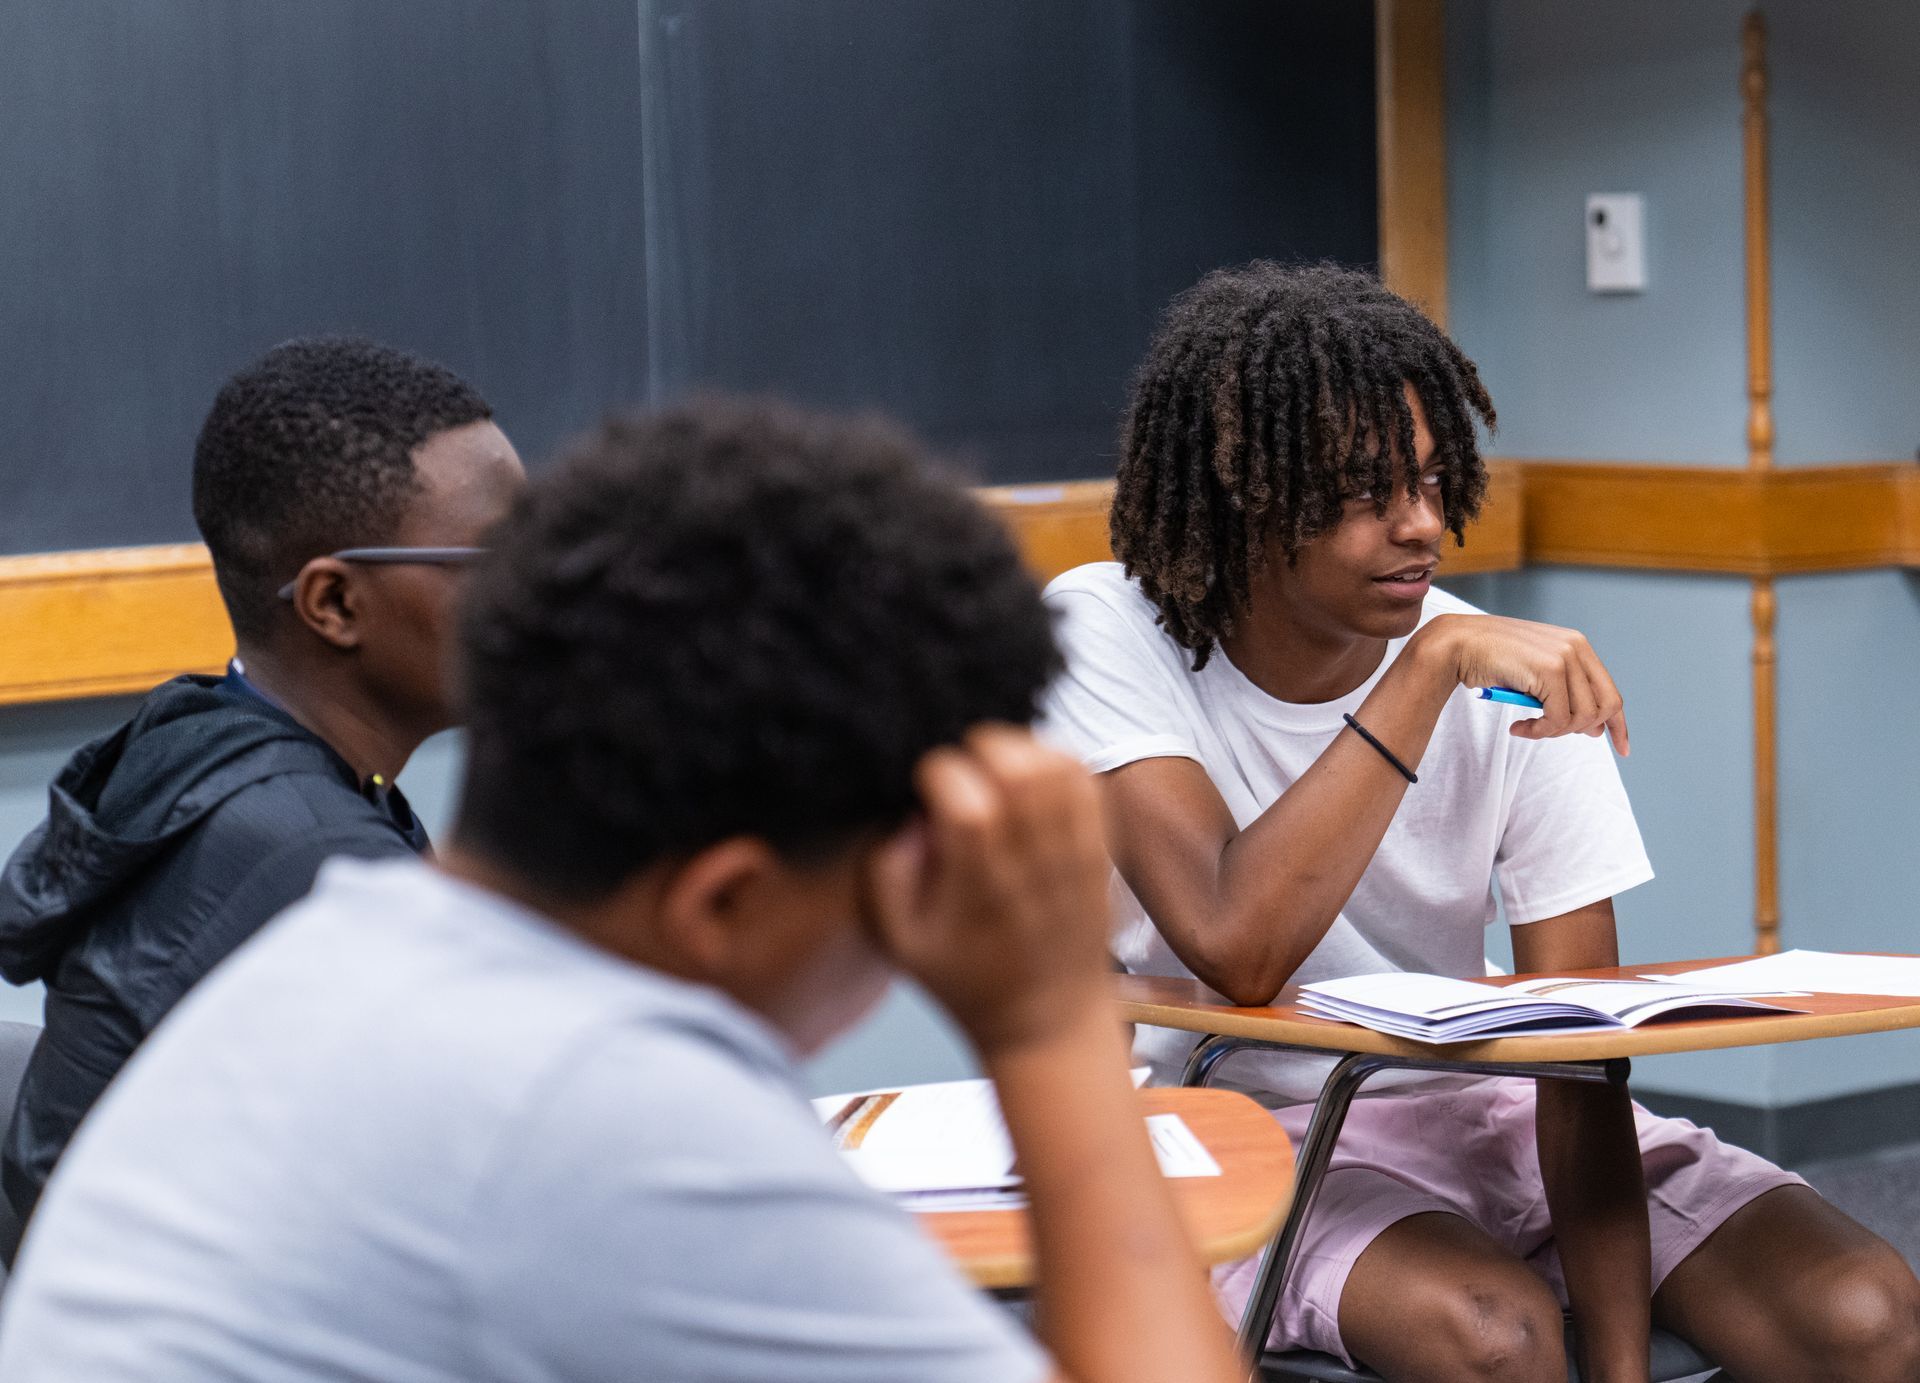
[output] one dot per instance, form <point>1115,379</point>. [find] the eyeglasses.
<point>432,556</point>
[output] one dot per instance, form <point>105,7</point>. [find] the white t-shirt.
<point>413,1133</point>
<point>1546,821</point>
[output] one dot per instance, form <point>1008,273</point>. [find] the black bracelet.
<point>1385,752</point>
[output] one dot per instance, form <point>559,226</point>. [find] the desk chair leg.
<point>1323,1131</point>
<point>1209,1052</point>
<point>1310,1169</point>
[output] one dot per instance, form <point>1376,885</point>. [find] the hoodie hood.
<point>124,798</point>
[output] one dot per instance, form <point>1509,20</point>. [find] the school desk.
<point>1605,1056</point>
<point>1229,1216</point>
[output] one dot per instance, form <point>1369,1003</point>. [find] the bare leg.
<point>1790,1290</point>
<point>1434,1300</point>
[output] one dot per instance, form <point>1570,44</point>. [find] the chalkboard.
<point>185,182</point>
<point>964,213</point>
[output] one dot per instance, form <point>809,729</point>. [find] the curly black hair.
<point>730,619</point>
<point>309,450</point>
<point>1259,410</point>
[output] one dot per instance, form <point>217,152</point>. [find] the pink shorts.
<point>1470,1152</point>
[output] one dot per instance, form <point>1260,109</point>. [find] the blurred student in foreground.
<point>338,484</point>
<point>746,694</point>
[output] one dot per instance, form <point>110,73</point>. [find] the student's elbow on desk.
<point>1248,996</point>
<point>1250,991</point>
<point>1250,936</point>
<point>1243,962</point>
<point>1176,845</point>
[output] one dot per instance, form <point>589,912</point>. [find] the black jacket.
<point>167,843</point>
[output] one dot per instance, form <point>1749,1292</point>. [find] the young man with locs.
<point>1302,783</point>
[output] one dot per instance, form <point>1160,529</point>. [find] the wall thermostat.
<point>1616,243</point>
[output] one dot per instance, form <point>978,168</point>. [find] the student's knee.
<point>1861,1320</point>
<point>1504,1332</point>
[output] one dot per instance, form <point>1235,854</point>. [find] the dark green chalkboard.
<point>965,213</point>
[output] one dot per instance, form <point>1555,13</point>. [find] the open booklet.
<point>945,1146</point>
<point>1432,1008</point>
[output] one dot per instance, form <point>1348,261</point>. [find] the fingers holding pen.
<point>1557,667</point>
<point>1557,708</point>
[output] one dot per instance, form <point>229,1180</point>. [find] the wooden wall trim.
<point>1760,431</point>
<point>81,624</point>
<point>1718,519</point>
<point>1058,527</point>
<point>1410,104</point>
<point>1711,519</point>
<point>77,624</point>
<point>1497,539</point>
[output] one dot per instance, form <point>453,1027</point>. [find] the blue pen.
<point>1509,697</point>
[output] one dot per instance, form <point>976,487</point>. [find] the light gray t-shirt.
<point>416,1134</point>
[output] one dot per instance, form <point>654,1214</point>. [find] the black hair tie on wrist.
<point>1385,752</point>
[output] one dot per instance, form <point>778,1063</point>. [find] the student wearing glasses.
<point>339,485</point>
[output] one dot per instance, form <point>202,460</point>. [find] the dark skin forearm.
<point>1590,1166</point>
<point>1243,908</point>
<point>1590,1170</point>
<point>1108,1240</point>
<point>995,901</point>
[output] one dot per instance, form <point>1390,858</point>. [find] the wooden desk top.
<point>1229,1216</point>
<point>1186,1004</point>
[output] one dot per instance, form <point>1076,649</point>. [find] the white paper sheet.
<point>1809,972</point>
<point>945,1146</point>
<point>944,1136</point>
<point>1180,1153</point>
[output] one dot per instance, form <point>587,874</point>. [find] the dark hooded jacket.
<point>167,843</point>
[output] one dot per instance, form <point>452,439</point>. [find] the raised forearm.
<point>1590,1167</point>
<point>1122,1295</point>
<point>995,902</point>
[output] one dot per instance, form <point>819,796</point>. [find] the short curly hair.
<point>730,619</point>
<point>1257,414</point>
<point>309,450</point>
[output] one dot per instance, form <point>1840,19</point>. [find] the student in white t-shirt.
<point>1260,686</point>
<point>743,691</point>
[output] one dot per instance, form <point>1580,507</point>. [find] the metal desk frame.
<point>1323,1131</point>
